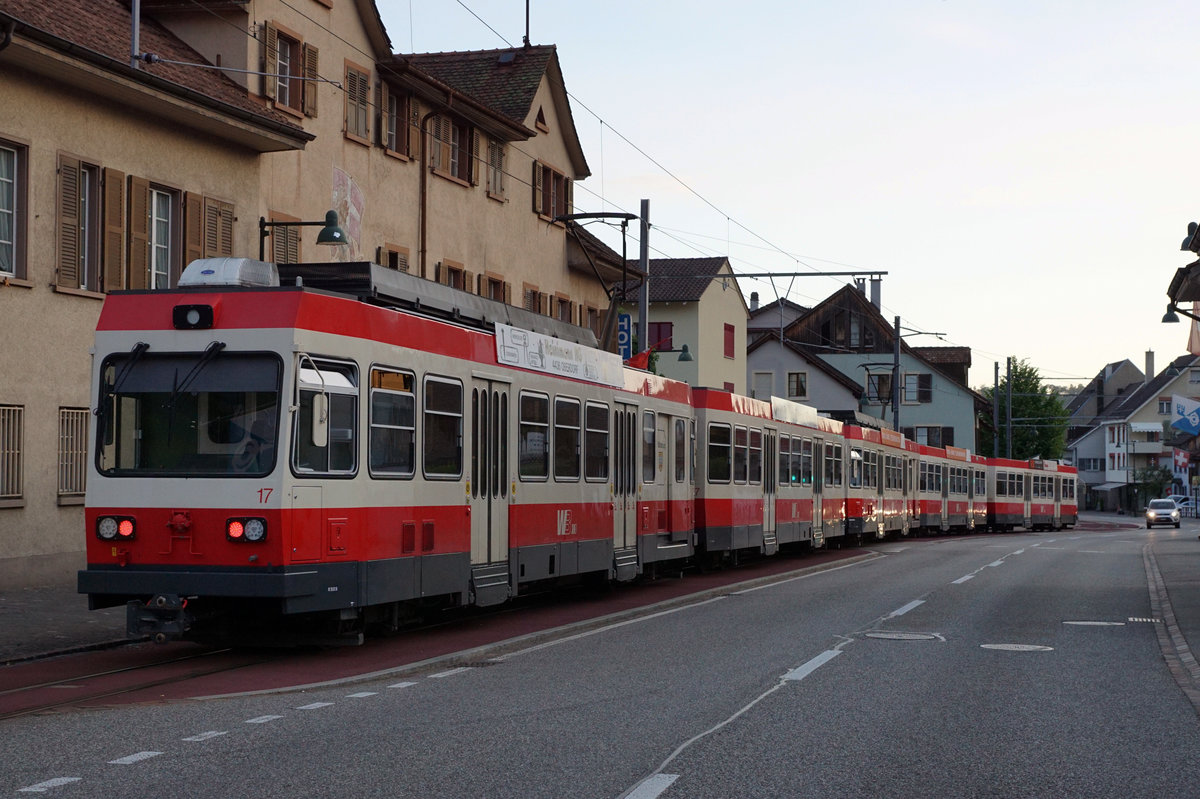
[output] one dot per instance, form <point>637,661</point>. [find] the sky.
<point>1024,172</point>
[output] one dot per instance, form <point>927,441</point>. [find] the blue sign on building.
<point>625,336</point>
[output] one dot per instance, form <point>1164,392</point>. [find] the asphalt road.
<point>1019,665</point>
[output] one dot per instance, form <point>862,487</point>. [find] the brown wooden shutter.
<point>414,127</point>
<point>569,200</point>
<point>68,222</point>
<point>270,60</point>
<point>543,303</point>
<point>537,187</point>
<point>114,230</point>
<point>507,292</point>
<point>473,171</point>
<point>139,233</point>
<point>193,227</point>
<point>381,114</point>
<point>218,228</point>
<point>311,73</point>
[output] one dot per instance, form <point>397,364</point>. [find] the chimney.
<point>1149,365</point>
<point>860,283</point>
<point>753,301</point>
<point>875,288</point>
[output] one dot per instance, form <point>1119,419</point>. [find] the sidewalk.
<point>35,621</point>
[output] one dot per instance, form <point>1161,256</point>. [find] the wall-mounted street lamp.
<point>331,233</point>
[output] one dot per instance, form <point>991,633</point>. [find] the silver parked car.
<point>1162,511</point>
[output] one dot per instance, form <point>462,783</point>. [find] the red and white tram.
<point>344,445</point>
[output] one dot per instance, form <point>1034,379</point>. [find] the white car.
<point>1162,511</point>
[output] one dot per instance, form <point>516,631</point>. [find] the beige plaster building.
<point>692,305</point>
<point>117,173</point>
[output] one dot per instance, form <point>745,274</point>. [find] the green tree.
<point>1149,482</point>
<point>1039,420</point>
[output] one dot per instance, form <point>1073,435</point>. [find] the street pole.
<point>896,378</point>
<point>1008,379</point>
<point>644,294</point>
<point>996,411</point>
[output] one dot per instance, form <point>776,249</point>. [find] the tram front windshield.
<point>192,414</point>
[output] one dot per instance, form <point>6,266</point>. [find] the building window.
<point>918,388</point>
<point>930,436</point>
<point>660,334</point>
<point>452,274</point>
<point>493,288</point>
<point>13,193</point>
<point>1164,406</point>
<point>551,191</point>
<point>562,309</point>
<point>12,433</point>
<point>729,340</point>
<point>358,83</point>
<point>292,68</point>
<point>450,155</point>
<point>797,385</point>
<point>495,163</point>
<point>879,388</point>
<point>72,453</point>
<point>162,221</point>
<point>394,257</point>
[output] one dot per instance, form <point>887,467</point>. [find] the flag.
<point>1181,460</point>
<point>639,361</point>
<point>1185,414</point>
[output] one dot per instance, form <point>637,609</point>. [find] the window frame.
<point>574,440</point>
<point>427,440</point>
<point>545,425</point>
<point>727,447</point>
<point>802,380</point>
<point>589,433</point>
<point>378,371</point>
<point>356,108</point>
<point>12,456</point>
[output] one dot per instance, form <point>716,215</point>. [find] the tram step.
<point>625,563</point>
<point>489,584</point>
<point>770,543</point>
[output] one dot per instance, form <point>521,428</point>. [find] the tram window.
<point>596,441</point>
<point>680,450</point>
<point>443,426</point>
<point>648,447</point>
<point>390,450</point>
<point>533,449</point>
<point>566,438</point>
<point>339,383</point>
<point>740,454</point>
<point>719,453</point>
<point>756,457</point>
<point>855,476</point>
<point>806,462</point>
<point>785,458</point>
<point>833,465</point>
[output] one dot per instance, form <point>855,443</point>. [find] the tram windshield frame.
<point>191,414</point>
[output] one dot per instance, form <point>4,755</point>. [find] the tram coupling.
<point>164,618</point>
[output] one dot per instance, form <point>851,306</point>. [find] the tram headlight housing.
<point>251,530</point>
<point>115,528</point>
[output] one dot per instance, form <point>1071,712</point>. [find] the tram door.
<point>625,475</point>
<point>770,482</point>
<point>489,471</point>
<point>818,489</point>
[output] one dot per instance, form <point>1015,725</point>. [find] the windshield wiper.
<point>209,353</point>
<point>135,355</point>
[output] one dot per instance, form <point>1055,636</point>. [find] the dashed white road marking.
<point>402,685</point>
<point>916,603</point>
<point>996,563</point>
<point>135,758</point>
<point>42,787</point>
<point>314,705</point>
<point>652,786</point>
<point>442,674</point>
<point>800,672</point>
<point>262,719</point>
<point>963,579</point>
<point>204,736</point>
<point>1096,623</point>
<point>360,695</point>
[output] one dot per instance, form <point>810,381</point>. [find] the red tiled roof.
<point>503,80</point>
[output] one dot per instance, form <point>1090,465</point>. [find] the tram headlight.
<point>252,530</point>
<point>114,528</point>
